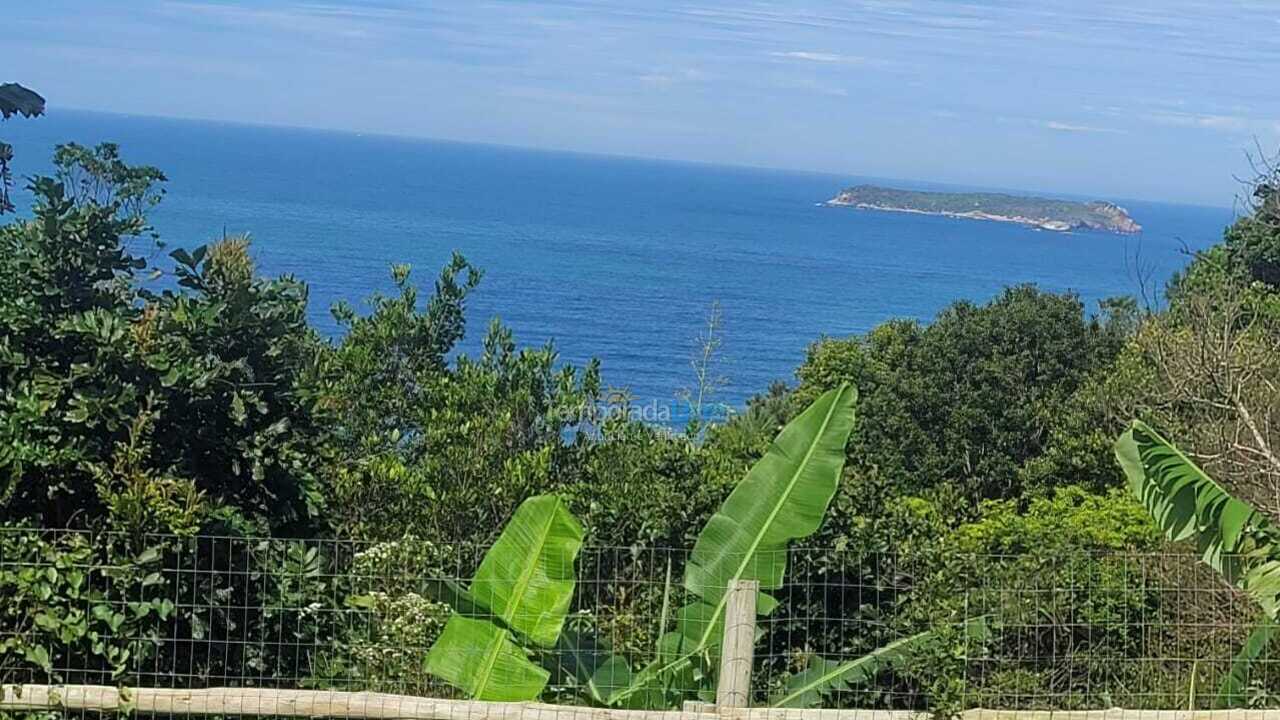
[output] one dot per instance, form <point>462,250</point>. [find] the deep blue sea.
<point>616,258</point>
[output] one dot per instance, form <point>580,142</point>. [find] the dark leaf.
<point>17,100</point>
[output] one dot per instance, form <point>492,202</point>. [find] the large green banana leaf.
<point>1233,538</point>
<point>526,579</point>
<point>783,498</point>
<point>1231,692</point>
<point>823,677</point>
<point>591,665</point>
<point>526,582</point>
<point>481,659</point>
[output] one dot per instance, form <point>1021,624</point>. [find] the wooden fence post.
<point>734,690</point>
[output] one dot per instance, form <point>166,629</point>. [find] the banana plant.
<point>517,601</point>
<point>598,672</point>
<point>1232,537</point>
<point>782,498</point>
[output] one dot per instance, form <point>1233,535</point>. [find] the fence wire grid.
<point>1016,632</point>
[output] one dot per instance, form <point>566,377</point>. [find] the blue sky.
<point>1158,99</point>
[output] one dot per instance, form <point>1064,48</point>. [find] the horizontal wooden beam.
<point>372,706</point>
<point>1121,714</point>
<point>384,706</point>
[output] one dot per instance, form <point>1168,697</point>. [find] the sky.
<point>1154,99</point>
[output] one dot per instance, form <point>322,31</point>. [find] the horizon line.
<point>1025,192</point>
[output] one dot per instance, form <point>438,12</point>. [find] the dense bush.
<point>1253,243</point>
<point>1062,582</point>
<point>148,409</point>
<point>62,619</point>
<point>423,446</point>
<point>969,398</point>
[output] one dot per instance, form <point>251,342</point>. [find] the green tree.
<point>1059,577</point>
<point>446,448</point>
<point>1253,242</point>
<point>968,399</point>
<point>158,410</point>
<point>1207,369</point>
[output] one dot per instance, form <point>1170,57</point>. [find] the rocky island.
<point>1043,213</point>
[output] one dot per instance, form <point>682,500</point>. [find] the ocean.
<point>609,257</point>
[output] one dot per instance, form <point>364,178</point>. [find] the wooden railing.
<point>383,706</point>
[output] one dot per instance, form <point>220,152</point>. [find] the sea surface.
<point>615,258</point>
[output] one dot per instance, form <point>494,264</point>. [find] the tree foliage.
<point>967,400</point>
<point>429,446</point>
<point>177,407</point>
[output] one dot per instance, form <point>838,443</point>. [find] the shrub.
<point>118,399</point>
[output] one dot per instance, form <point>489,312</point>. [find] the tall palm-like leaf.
<point>1231,692</point>
<point>783,498</point>
<point>481,659</point>
<point>823,677</point>
<point>1233,537</point>
<point>527,577</point>
<point>591,664</point>
<point>526,582</point>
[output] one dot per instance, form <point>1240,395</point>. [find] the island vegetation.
<point>1043,213</point>
<point>977,452</point>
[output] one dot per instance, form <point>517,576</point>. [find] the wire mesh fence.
<point>851,629</point>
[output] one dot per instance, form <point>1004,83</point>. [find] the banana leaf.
<point>482,660</point>
<point>526,579</point>
<point>591,665</point>
<point>526,582</point>
<point>1186,504</point>
<point>1231,692</point>
<point>823,677</point>
<point>783,498</point>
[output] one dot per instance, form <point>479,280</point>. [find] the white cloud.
<point>1209,121</point>
<point>808,84</point>
<point>1073,128</point>
<point>821,57</point>
<point>667,78</point>
<point>315,19</point>
<point>1223,122</point>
